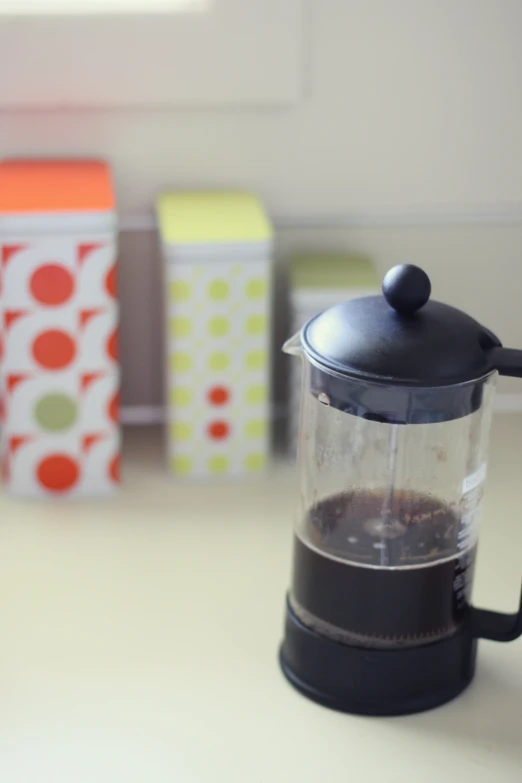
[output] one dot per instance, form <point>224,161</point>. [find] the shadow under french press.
<point>488,713</point>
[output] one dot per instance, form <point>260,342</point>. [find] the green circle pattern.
<point>56,412</point>
<point>218,290</point>
<point>180,291</point>
<point>218,361</point>
<point>256,324</point>
<point>256,288</point>
<point>256,395</point>
<point>255,360</point>
<point>218,463</point>
<point>219,326</point>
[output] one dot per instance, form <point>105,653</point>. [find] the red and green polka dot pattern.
<point>59,365</point>
<point>218,346</point>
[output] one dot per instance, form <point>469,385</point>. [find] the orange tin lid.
<point>55,186</point>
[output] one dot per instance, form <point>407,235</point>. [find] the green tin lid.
<point>332,270</point>
<point>187,218</point>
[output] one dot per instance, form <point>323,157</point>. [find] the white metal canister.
<point>216,250</point>
<point>59,369</point>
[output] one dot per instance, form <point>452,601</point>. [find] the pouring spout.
<point>293,345</point>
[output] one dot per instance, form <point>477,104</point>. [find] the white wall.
<point>412,109</point>
<point>407,102</point>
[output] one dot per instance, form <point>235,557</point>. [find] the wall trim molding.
<point>142,415</point>
<point>146,415</point>
<point>445,215</point>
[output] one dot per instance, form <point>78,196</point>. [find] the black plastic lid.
<point>401,337</point>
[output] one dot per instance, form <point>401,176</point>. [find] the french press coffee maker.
<point>395,416</point>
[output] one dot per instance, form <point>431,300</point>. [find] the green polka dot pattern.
<point>255,360</point>
<point>218,342</point>
<point>218,464</point>
<point>180,291</point>
<point>180,327</point>
<point>256,395</point>
<point>180,362</point>
<point>181,465</point>
<point>256,324</point>
<point>255,428</point>
<point>256,289</point>
<point>218,361</point>
<point>56,412</point>
<point>218,326</point>
<point>180,396</point>
<point>218,289</point>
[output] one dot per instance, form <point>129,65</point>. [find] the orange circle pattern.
<point>219,430</point>
<point>219,395</point>
<point>51,285</point>
<point>114,469</point>
<point>114,408</point>
<point>111,282</point>
<point>112,346</point>
<point>54,349</point>
<point>58,473</point>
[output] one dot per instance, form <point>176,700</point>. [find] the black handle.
<point>497,626</point>
<point>508,361</point>
<point>487,624</point>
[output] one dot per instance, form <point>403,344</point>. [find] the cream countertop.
<point>139,641</point>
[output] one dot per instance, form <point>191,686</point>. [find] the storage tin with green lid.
<point>319,281</point>
<point>217,250</point>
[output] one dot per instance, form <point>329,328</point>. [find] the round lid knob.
<point>406,288</point>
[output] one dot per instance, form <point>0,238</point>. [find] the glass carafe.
<point>387,520</point>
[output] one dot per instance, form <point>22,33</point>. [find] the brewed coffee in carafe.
<point>386,538</point>
<point>397,399</point>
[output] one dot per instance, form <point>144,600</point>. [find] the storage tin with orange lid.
<point>59,373</point>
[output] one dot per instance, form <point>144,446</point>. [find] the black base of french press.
<point>366,681</point>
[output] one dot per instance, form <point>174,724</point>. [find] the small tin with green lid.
<point>319,281</point>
